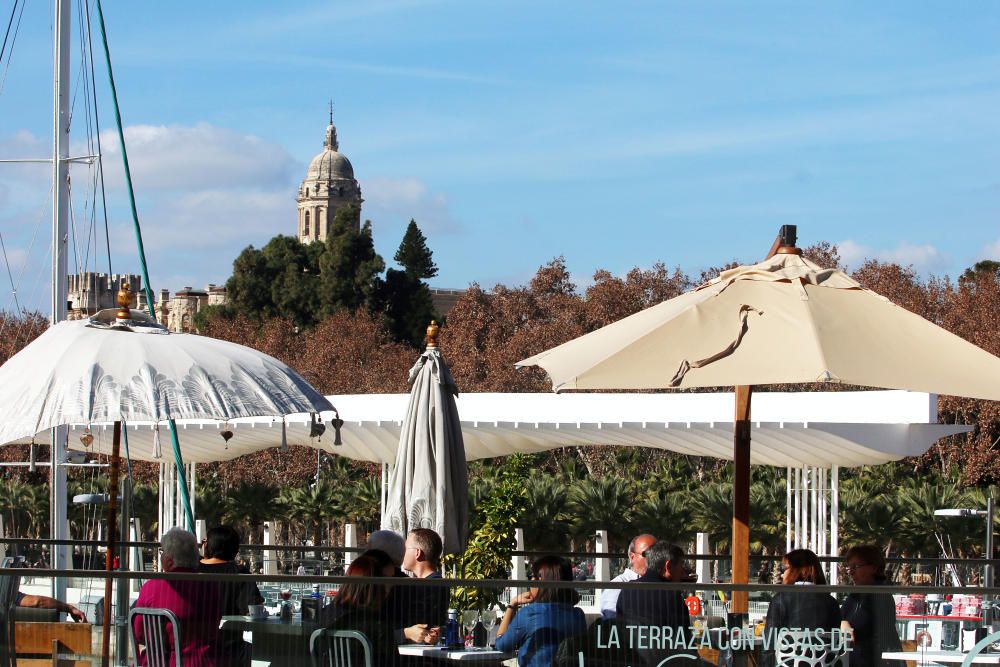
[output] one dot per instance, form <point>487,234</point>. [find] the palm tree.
<point>667,516</point>
<point>602,503</point>
<point>315,505</point>
<point>362,502</point>
<point>209,502</point>
<point>249,505</point>
<point>545,523</point>
<point>767,516</point>
<point>712,513</point>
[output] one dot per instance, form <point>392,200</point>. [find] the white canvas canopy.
<point>820,429</point>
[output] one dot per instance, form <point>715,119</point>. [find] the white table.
<point>488,655</point>
<point>942,657</point>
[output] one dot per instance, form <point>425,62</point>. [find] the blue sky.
<point>615,135</point>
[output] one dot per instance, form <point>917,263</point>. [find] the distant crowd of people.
<point>543,625</point>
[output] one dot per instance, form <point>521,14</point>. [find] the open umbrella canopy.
<point>784,320</point>
<point>91,371</point>
<point>428,487</point>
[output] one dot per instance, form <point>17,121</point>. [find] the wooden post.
<point>109,561</point>
<point>741,498</point>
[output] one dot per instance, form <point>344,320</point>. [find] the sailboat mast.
<point>60,239</point>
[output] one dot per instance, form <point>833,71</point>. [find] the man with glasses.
<point>636,568</point>
<point>420,611</point>
<point>660,609</point>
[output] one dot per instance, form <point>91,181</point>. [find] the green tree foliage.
<point>408,307</point>
<point>279,280</point>
<point>349,267</point>
<point>414,255</point>
<point>985,268</point>
<point>487,555</point>
<point>408,303</point>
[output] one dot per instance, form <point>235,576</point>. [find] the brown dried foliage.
<point>487,332</point>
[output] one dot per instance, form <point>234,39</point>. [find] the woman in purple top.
<point>195,602</point>
<point>544,616</point>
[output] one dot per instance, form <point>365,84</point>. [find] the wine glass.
<point>468,620</point>
<point>489,618</point>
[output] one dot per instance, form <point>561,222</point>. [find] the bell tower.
<point>329,185</point>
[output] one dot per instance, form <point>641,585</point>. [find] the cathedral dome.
<point>330,164</point>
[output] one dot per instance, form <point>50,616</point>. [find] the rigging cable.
<point>178,459</point>
<point>97,134</point>
<point>13,288</point>
<point>10,52</point>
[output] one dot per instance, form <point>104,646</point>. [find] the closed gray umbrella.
<point>429,486</point>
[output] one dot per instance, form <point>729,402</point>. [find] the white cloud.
<point>391,203</point>
<point>196,157</point>
<point>991,250</point>
<point>924,258</point>
<point>23,145</point>
<point>221,220</point>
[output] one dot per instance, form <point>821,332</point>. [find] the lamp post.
<point>988,568</point>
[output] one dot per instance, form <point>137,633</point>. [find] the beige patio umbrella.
<point>785,320</point>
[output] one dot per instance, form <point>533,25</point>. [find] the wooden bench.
<point>54,645</point>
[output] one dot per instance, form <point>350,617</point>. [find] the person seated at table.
<point>361,607</point>
<point>196,602</point>
<point>636,568</point>
<point>535,622</point>
<point>418,612</point>
<point>391,543</point>
<point>872,616</point>
<point>656,607</point>
<point>45,602</point>
<point>799,611</point>
<point>222,545</point>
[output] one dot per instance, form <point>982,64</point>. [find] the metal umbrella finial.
<point>432,334</point>
<point>124,302</point>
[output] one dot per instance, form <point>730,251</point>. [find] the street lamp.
<point>988,568</point>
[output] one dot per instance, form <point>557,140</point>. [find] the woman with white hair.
<point>195,601</point>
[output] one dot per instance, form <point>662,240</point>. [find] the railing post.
<point>200,530</point>
<point>602,565</point>
<point>518,570</point>
<point>703,566</point>
<point>138,562</point>
<point>270,557</point>
<point>350,541</point>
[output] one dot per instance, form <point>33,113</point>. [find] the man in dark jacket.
<point>661,619</point>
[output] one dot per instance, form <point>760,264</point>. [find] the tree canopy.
<point>307,282</point>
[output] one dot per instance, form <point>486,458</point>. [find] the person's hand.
<point>77,615</point>
<point>433,635</point>
<point>522,599</point>
<point>421,634</point>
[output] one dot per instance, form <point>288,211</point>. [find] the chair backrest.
<point>155,637</point>
<point>340,648</point>
<point>9,585</point>
<point>810,648</point>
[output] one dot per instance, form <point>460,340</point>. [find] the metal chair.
<point>9,584</point>
<point>810,648</point>
<point>340,648</point>
<point>155,636</point>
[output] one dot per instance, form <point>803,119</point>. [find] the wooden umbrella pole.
<point>740,543</point>
<point>109,561</point>
<point>740,546</point>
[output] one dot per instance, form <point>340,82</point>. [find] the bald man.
<point>636,568</point>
